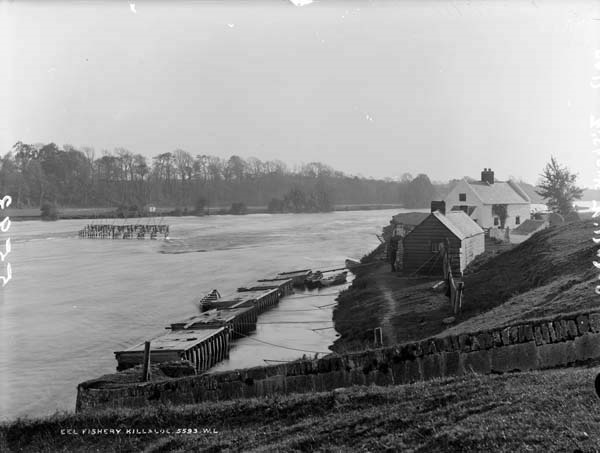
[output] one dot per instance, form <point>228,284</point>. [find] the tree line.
<point>67,176</point>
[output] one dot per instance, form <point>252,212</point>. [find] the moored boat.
<point>313,280</point>
<point>337,279</point>
<point>206,300</point>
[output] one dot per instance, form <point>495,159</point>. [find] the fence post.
<point>378,336</point>
<point>146,369</point>
<point>460,289</point>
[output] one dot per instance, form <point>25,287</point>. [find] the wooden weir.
<point>115,231</point>
<point>202,347</point>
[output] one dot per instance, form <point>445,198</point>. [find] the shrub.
<point>49,211</point>
<point>238,209</point>
<point>199,206</point>
<point>275,205</point>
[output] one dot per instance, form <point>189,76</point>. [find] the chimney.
<point>487,175</point>
<point>438,206</point>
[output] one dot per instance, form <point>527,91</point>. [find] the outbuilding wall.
<point>418,257</point>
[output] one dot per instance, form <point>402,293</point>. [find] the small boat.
<point>314,280</point>
<point>210,297</point>
<point>337,279</point>
<point>352,264</point>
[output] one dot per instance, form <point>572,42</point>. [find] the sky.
<point>372,88</point>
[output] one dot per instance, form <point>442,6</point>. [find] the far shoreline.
<point>28,214</point>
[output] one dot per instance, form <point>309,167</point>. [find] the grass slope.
<point>537,411</point>
<point>549,274</point>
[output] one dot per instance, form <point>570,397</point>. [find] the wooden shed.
<point>423,245</point>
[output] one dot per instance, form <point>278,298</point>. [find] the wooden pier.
<point>204,339</point>
<point>239,321</point>
<point>298,277</point>
<point>284,286</point>
<point>202,347</point>
<point>262,300</point>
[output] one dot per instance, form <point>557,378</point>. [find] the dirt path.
<point>411,309</point>
<point>389,335</point>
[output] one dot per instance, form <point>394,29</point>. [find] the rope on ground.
<point>281,346</point>
<point>293,322</point>
<point>316,307</point>
<point>303,296</point>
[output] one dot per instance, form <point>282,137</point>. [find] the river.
<point>72,302</point>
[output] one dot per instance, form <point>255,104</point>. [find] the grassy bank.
<point>537,411</point>
<point>405,307</point>
<point>549,274</point>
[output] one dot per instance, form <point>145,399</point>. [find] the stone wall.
<point>540,344</point>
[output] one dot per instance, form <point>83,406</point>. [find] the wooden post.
<point>378,334</point>
<point>461,287</point>
<point>146,369</point>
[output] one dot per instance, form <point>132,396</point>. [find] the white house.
<point>478,198</point>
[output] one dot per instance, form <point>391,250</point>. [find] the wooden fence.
<point>454,289</point>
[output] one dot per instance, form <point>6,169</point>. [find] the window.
<point>464,209</point>
<point>517,220</point>
<point>462,197</point>
<point>496,221</point>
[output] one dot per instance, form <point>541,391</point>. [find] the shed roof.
<point>410,218</point>
<point>498,193</point>
<point>459,223</point>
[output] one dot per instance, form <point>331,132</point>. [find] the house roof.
<point>459,223</point>
<point>499,192</point>
<point>529,226</point>
<point>410,218</point>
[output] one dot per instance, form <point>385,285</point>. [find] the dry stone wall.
<point>541,344</point>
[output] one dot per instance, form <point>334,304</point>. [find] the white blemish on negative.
<point>301,2</point>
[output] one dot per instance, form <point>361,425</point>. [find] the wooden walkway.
<point>205,339</point>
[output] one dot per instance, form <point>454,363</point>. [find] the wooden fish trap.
<point>240,321</point>
<point>202,347</point>
<point>137,231</point>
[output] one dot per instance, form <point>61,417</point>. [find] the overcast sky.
<point>376,88</point>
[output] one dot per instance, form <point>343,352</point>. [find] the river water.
<point>72,302</point>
